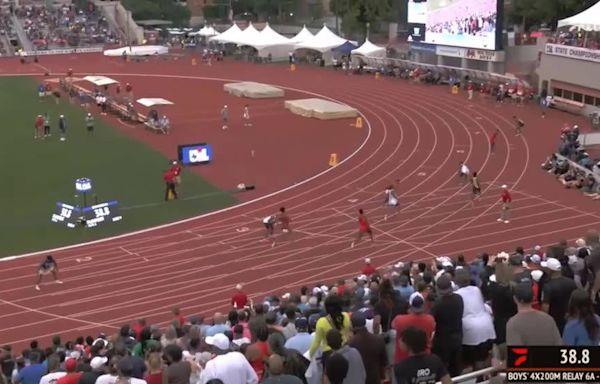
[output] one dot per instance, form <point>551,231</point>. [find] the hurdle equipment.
<point>333,160</point>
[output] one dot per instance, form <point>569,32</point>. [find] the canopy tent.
<point>323,41</point>
<point>152,102</point>
<point>345,48</point>
<point>588,20</point>
<point>269,37</point>
<point>369,49</point>
<point>100,80</point>
<point>231,35</point>
<point>206,32</point>
<point>302,36</point>
<point>249,36</point>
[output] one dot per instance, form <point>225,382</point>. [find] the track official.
<point>169,178</point>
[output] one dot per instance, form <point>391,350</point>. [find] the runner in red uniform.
<point>176,169</point>
<point>363,227</point>
<point>493,138</point>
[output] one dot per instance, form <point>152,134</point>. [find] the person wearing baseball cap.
<point>529,326</point>
<point>556,292</point>
<point>415,318</point>
<point>225,365</point>
<point>300,341</point>
<point>72,377</point>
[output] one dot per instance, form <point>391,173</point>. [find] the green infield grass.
<point>36,174</point>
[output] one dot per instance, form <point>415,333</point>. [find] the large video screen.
<point>417,11</point>
<point>462,23</point>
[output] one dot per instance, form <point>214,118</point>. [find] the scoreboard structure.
<point>88,216</point>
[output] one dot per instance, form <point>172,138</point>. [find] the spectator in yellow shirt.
<point>335,318</point>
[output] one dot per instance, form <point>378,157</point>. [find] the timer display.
<point>553,364</point>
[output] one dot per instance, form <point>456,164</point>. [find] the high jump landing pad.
<point>253,90</point>
<point>320,109</point>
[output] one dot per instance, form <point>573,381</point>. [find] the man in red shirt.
<point>177,316</point>
<point>493,138</point>
<point>239,299</point>
<point>416,318</point>
<point>71,377</point>
<point>176,169</point>
<point>368,269</point>
<point>363,227</point>
<point>39,126</point>
<point>506,201</point>
<point>169,178</point>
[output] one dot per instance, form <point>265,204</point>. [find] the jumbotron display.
<point>417,11</point>
<point>463,23</point>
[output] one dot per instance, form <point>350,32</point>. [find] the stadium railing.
<point>471,377</point>
<point>455,72</point>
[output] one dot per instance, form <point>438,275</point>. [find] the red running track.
<point>418,134</point>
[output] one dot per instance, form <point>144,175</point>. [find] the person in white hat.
<point>89,124</point>
<point>227,366</point>
<point>225,116</point>
<point>506,201</point>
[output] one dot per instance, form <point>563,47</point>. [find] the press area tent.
<point>588,20</point>
<point>266,41</point>
<point>345,48</point>
<point>369,49</point>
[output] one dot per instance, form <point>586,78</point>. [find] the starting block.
<point>455,89</point>
<point>333,160</point>
<point>293,67</point>
<point>359,122</point>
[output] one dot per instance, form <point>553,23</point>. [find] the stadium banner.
<point>465,23</point>
<point>423,48</point>
<point>66,51</point>
<point>471,54</point>
<point>573,52</point>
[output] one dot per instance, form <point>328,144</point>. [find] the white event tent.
<point>206,32</point>
<point>588,20</point>
<point>249,36</point>
<point>323,41</point>
<point>369,49</point>
<point>302,36</point>
<point>231,35</point>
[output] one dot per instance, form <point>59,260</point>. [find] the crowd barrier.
<point>64,51</point>
<point>454,72</point>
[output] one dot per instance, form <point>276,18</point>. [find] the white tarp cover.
<point>369,49</point>
<point>588,20</point>
<point>150,102</point>
<point>142,50</point>
<point>231,35</point>
<point>100,80</point>
<point>249,36</point>
<point>323,41</point>
<point>302,36</point>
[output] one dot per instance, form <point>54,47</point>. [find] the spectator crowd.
<point>402,322</point>
<point>64,26</point>
<point>575,169</point>
<point>577,38</point>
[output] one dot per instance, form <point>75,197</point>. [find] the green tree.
<point>355,14</point>
<point>158,9</point>
<point>531,13</point>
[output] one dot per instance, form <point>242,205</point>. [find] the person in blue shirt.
<point>302,340</point>
<point>31,374</point>
<point>583,326</point>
